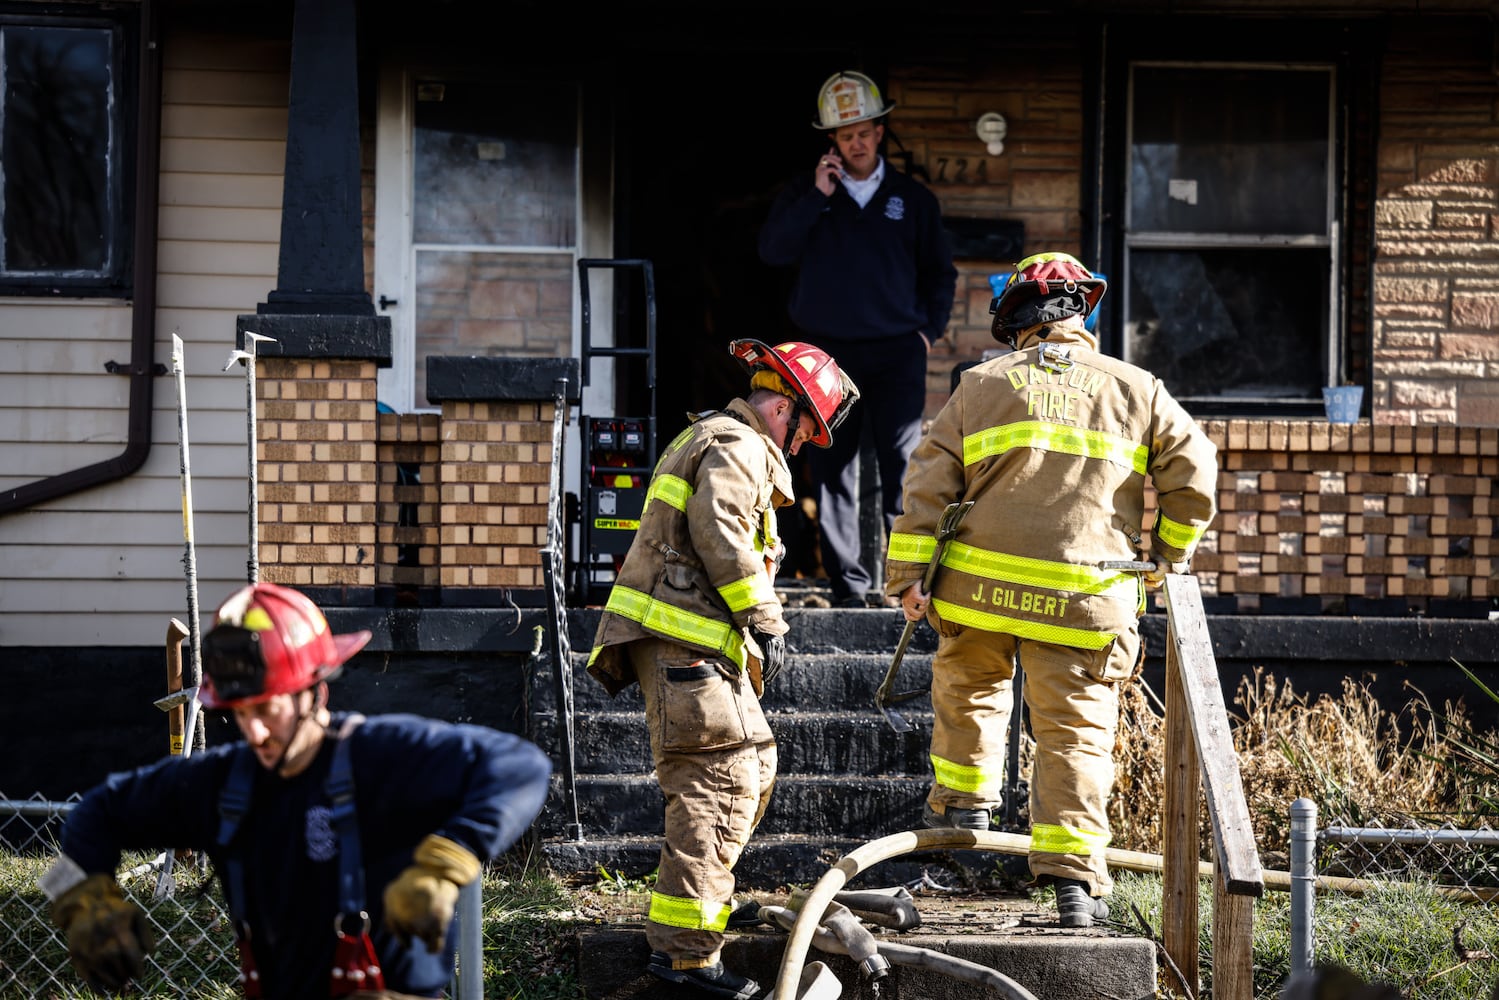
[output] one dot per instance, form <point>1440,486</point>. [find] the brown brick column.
<point>496,456</point>
<point>316,455</point>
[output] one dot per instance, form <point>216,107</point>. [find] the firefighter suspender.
<point>355,965</point>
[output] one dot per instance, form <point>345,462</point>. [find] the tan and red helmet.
<point>1044,287</point>
<point>806,374</point>
<point>268,640</point>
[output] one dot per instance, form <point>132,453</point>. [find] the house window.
<point>63,97</point>
<point>1231,234</point>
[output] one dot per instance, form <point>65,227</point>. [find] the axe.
<point>947,529</point>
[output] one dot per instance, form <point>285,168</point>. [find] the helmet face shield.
<point>1044,288</point>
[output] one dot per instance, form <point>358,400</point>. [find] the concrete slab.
<point>1074,964</point>
<point>1013,935</point>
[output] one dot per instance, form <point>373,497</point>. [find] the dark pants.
<point>891,375</point>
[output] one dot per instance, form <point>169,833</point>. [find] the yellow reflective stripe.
<point>753,589</point>
<point>963,777</point>
<point>1061,635</point>
<point>673,491</point>
<point>912,548</point>
<point>1030,572</point>
<point>676,623</point>
<point>1058,438</point>
<point>1176,534</point>
<point>1048,838</point>
<point>770,528</point>
<point>693,914</point>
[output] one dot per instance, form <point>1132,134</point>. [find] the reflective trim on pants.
<point>1072,698</point>
<point>716,794</point>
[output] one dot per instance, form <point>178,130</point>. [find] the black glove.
<point>108,936</point>
<point>773,655</point>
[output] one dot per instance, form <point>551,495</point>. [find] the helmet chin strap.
<point>793,424</point>
<point>319,699</point>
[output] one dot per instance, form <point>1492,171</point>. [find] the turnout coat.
<point>700,569</point>
<point>1053,443</point>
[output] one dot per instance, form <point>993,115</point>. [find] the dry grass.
<point>1359,762</point>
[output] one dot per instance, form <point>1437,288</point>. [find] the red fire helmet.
<point>268,640</point>
<point>808,374</point>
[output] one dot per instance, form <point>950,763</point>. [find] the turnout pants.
<point>1073,700</point>
<point>715,762</point>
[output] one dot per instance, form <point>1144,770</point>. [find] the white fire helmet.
<point>847,97</point>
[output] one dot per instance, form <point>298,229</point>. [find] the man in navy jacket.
<point>874,288</point>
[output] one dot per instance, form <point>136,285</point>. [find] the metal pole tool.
<point>947,530</point>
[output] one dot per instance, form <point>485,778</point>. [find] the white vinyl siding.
<point>104,567</point>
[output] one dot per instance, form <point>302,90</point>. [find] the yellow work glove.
<point>1155,578</point>
<point>421,900</point>
<point>108,936</point>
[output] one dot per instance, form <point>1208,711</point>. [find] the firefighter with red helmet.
<point>341,842</point>
<point>694,619</point>
<point>1054,444</point>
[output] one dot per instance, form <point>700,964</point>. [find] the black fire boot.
<point>1076,907</point>
<point>715,979</point>
<point>961,819</point>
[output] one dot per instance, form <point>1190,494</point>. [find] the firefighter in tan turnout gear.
<point>1054,444</point>
<point>693,617</point>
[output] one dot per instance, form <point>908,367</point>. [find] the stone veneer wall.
<point>1436,216</point>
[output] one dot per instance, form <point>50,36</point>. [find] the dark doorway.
<point>699,162</point>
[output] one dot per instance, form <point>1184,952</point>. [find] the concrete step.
<point>811,680</point>
<point>812,805</point>
<point>852,742</point>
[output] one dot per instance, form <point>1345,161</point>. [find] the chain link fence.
<point>1415,907</point>
<point>195,952</point>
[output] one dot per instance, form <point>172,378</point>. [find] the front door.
<point>478,221</point>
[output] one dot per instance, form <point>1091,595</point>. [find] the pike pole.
<point>247,358</point>
<point>193,669</point>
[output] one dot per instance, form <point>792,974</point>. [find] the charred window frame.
<point>1246,273</point>
<point>67,100</point>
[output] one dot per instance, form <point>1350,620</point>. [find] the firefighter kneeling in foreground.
<point>341,842</point>
<point>693,617</point>
<point>1053,444</point>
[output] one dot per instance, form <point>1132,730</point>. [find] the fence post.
<point>470,971</point>
<point>1303,882</point>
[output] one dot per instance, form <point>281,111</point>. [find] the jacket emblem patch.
<point>895,208</point>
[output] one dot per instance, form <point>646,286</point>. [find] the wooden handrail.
<point>1200,756</point>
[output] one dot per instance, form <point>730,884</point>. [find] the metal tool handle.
<point>947,529</point>
<point>1128,565</point>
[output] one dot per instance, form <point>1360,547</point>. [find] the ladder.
<point>618,451</point>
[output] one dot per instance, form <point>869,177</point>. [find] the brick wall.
<point>410,465</point>
<point>425,505</point>
<point>495,466</point>
<point>316,469</point>
<point>1352,518</point>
